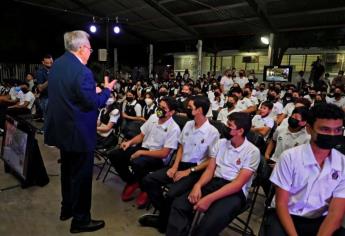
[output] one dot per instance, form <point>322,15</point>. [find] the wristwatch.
<point>193,169</point>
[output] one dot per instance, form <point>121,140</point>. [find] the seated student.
<point>217,103</point>
<point>182,100</point>
<point>107,119</point>
<point>222,189</point>
<point>248,93</point>
<point>131,109</point>
<point>243,104</point>
<point>310,180</point>
<point>286,137</point>
<point>159,136</point>
<point>25,103</point>
<point>263,123</point>
<point>338,99</point>
<point>299,102</point>
<point>290,106</point>
<point>149,108</point>
<point>274,97</point>
<point>230,107</point>
<point>195,148</point>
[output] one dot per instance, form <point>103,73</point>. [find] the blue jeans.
<point>44,106</point>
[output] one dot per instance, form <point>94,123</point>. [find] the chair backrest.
<point>221,127</point>
<point>180,120</point>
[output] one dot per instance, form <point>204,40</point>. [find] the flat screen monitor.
<point>277,73</point>
<point>17,140</point>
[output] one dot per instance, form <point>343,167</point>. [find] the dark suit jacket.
<point>72,108</point>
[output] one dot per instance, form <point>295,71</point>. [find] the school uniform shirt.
<point>114,116</point>
<point>158,136</point>
<point>258,122</point>
<point>241,81</point>
<point>227,83</point>
<point>27,97</point>
<point>137,107</point>
<point>198,143</point>
<point>340,103</point>
<point>230,160</point>
<point>285,140</point>
<point>261,95</point>
<point>224,113</point>
<point>288,109</point>
<point>243,104</point>
<point>254,100</point>
<point>311,188</point>
<point>215,104</point>
<point>276,110</point>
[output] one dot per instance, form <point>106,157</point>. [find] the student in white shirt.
<point>261,93</point>
<point>25,103</point>
<point>310,180</point>
<point>222,189</point>
<point>158,137</point>
<point>248,93</point>
<point>108,117</point>
<point>262,123</point>
<point>230,107</point>
<point>226,82</point>
<point>274,97</point>
<point>243,103</point>
<point>338,99</point>
<point>195,150</point>
<point>286,137</point>
<point>241,80</point>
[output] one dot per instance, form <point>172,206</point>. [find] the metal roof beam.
<point>157,6</point>
<point>262,14</point>
<point>224,7</point>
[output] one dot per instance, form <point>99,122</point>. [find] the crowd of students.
<point>175,153</point>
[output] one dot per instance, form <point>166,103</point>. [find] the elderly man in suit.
<point>71,127</point>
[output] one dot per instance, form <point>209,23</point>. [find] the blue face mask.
<point>17,89</point>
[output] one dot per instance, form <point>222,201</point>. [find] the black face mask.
<point>129,99</point>
<point>262,89</point>
<point>184,94</point>
<point>293,123</point>
<point>160,112</point>
<point>245,93</point>
<point>190,114</point>
<point>337,95</point>
<point>312,96</point>
<point>271,98</point>
<point>227,134</point>
<point>163,94</point>
<point>325,141</point>
<point>229,105</point>
<point>216,94</point>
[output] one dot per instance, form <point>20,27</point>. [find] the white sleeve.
<point>275,135</point>
<point>137,109</point>
<point>282,174</point>
<point>211,150</point>
<point>172,139</point>
<point>269,123</point>
<point>146,127</point>
<point>114,116</point>
<point>252,160</point>
<point>222,80</point>
<point>339,191</point>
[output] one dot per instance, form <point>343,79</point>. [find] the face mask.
<point>109,101</point>
<point>245,93</point>
<point>148,101</point>
<point>184,94</point>
<point>227,134</point>
<point>262,89</point>
<point>293,123</point>
<point>337,95</point>
<point>190,114</point>
<point>312,96</point>
<point>229,105</point>
<point>325,141</point>
<point>271,98</point>
<point>240,74</point>
<point>17,89</point>
<point>216,94</point>
<point>129,99</point>
<point>160,112</point>
<point>163,94</point>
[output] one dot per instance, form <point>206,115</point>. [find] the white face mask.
<point>148,101</point>
<point>109,101</point>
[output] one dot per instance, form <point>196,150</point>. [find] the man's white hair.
<point>75,39</point>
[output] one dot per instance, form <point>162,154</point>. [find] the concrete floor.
<point>35,210</point>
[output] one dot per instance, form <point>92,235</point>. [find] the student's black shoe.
<point>65,216</point>
<point>150,220</point>
<point>92,225</point>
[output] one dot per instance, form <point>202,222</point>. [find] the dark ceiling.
<point>172,25</point>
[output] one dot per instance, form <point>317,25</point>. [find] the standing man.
<point>42,82</point>
<point>71,126</point>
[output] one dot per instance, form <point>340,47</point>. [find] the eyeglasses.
<point>90,49</point>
